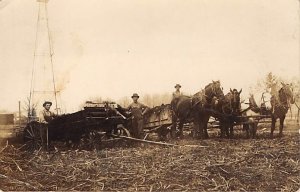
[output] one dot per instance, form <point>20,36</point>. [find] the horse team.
<point>211,102</point>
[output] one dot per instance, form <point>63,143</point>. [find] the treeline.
<point>272,83</point>
<point>151,100</point>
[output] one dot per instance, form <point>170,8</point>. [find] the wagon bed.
<point>94,123</point>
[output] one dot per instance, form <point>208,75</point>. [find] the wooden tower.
<point>43,86</point>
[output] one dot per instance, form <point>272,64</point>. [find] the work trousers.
<point>137,128</point>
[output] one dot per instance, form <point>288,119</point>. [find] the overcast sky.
<point>112,48</point>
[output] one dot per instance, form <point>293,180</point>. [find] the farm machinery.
<point>92,125</point>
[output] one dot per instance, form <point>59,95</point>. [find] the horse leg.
<point>199,121</point>
<point>222,128</point>
<point>201,127</point>
<point>251,130</point>
<point>180,127</point>
<point>196,129</point>
<point>231,130</point>
<point>246,128</point>
<point>273,126</point>
<point>227,131</point>
<point>281,126</point>
<point>206,136</point>
<point>205,127</point>
<point>254,129</point>
<point>252,126</point>
<point>174,126</point>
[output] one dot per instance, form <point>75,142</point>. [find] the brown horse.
<point>185,107</point>
<point>280,105</point>
<point>229,108</point>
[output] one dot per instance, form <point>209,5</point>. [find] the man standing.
<point>137,110</point>
<point>46,115</point>
<point>175,98</point>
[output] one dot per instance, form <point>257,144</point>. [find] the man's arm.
<point>54,114</point>
<point>145,109</point>
<point>128,108</point>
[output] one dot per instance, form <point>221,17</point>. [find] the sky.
<point>113,48</point>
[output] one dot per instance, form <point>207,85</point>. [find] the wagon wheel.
<point>32,136</point>
<point>164,132</point>
<point>122,131</point>
<point>93,140</point>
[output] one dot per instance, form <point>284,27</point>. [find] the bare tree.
<point>124,101</point>
<point>270,83</point>
<point>147,100</point>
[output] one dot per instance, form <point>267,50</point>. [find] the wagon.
<point>248,118</point>
<point>90,126</point>
<point>158,120</point>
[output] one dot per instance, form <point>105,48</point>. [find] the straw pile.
<point>224,165</point>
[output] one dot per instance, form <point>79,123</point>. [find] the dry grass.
<point>239,164</point>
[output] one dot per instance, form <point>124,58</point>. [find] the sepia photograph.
<point>140,95</point>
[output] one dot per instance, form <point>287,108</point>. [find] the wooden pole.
<point>144,141</point>
<point>154,142</point>
<point>19,114</point>
<point>47,138</point>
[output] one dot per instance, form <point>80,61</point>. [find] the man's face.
<point>135,99</point>
<point>177,88</point>
<point>47,107</point>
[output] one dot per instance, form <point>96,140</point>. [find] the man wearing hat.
<point>175,100</point>
<point>46,115</point>
<point>137,110</point>
<point>176,96</point>
<point>177,92</point>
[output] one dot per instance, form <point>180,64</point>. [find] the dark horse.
<point>229,108</point>
<point>195,107</point>
<point>280,105</point>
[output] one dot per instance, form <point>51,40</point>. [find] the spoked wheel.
<point>33,136</point>
<point>122,131</point>
<point>164,132</point>
<point>93,139</point>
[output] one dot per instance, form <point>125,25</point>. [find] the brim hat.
<point>178,85</point>
<point>47,102</point>
<point>135,95</point>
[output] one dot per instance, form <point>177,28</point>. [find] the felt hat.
<point>135,95</point>
<point>47,102</point>
<point>178,85</point>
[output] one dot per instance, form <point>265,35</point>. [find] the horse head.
<point>214,90</point>
<point>286,93</point>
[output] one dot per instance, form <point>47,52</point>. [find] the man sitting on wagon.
<point>177,92</point>
<point>46,115</point>
<point>175,96</point>
<point>137,110</point>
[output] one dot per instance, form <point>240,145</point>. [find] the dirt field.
<point>221,165</point>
